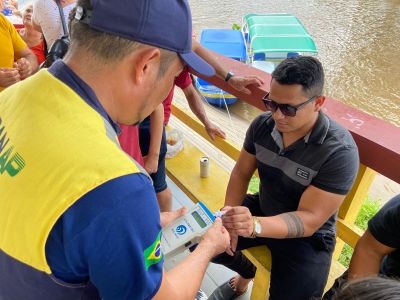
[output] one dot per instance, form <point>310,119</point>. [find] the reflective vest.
<point>54,148</point>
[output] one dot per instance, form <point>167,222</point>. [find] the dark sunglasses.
<point>286,109</point>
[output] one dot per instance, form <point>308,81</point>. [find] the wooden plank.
<point>351,205</point>
<point>225,146</point>
<point>184,170</point>
<point>348,232</point>
<point>353,201</point>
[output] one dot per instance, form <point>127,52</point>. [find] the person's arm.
<point>197,107</point>
<point>240,177</point>
<point>237,188</point>
<point>183,281</point>
<point>315,208</point>
<point>26,62</point>
<point>367,257</point>
<point>239,83</point>
<point>9,76</point>
<point>318,203</point>
<point>156,131</point>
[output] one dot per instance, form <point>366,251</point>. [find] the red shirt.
<point>182,81</point>
<point>38,50</point>
<point>129,140</point>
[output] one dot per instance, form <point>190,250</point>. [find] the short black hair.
<point>304,70</point>
<point>371,288</point>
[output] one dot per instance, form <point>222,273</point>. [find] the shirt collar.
<point>316,136</point>
<point>64,73</point>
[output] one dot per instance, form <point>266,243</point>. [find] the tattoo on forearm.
<point>294,224</point>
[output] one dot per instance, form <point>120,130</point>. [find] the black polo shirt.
<point>326,158</point>
<point>384,227</point>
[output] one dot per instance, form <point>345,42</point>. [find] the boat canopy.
<point>227,42</point>
<point>277,33</point>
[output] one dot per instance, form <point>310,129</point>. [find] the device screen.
<point>199,219</point>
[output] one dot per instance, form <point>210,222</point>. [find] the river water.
<point>358,44</point>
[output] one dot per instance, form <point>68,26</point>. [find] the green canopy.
<point>278,33</point>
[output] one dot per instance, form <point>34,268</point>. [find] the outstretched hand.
<point>214,131</point>
<point>238,220</point>
<point>216,238</point>
<point>240,83</point>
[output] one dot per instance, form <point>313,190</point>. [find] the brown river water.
<point>358,44</point>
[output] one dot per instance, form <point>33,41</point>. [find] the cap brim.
<point>198,64</point>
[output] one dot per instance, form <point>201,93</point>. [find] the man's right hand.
<point>216,238</point>
<point>9,76</point>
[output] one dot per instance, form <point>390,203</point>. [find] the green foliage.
<point>368,209</point>
<point>235,26</point>
<point>345,255</point>
<point>254,185</point>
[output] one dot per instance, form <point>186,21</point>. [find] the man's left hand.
<point>214,131</point>
<point>240,83</point>
<point>238,220</point>
<point>24,67</point>
<point>167,218</point>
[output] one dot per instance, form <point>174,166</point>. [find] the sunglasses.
<point>286,109</point>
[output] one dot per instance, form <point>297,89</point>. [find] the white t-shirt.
<point>47,16</point>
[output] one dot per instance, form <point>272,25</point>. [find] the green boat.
<point>270,38</point>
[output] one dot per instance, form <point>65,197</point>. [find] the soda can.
<point>204,167</point>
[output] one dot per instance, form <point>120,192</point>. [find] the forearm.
<point>186,278</point>
<point>196,105</point>
<point>289,225</point>
<point>32,59</point>
<point>237,189</point>
<point>208,56</point>
<point>156,130</point>
<point>365,262</point>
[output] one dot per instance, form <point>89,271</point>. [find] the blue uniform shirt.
<point>111,235</point>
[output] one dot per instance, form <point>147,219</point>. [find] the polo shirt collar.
<point>64,73</point>
<point>316,136</point>
<point>320,130</point>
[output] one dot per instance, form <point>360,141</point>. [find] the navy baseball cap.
<point>164,24</point>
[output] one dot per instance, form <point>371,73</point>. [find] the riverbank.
<point>236,126</point>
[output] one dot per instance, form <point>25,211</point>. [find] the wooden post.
<point>260,285</point>
<point>352,203</point>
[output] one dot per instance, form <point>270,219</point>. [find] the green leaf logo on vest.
<point>153,254</point>
<point>12,164</point>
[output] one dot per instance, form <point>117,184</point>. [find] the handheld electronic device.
<point>187,230</point>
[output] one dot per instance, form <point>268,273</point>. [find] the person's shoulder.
<point>4,22</point>
<point>392,206</point>
<point>340,135</point>
<point>264,119</point>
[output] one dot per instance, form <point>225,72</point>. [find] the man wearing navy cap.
<point>78,218</point>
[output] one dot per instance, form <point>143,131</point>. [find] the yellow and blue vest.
<point>48,160</point>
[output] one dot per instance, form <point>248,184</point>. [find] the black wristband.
<point>229,76</point>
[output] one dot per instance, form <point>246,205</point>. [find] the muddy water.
<point>358,43</point>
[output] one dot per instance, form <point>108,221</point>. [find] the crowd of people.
<point>84,191</point>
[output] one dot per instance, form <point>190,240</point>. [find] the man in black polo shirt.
<point>307,164</point>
